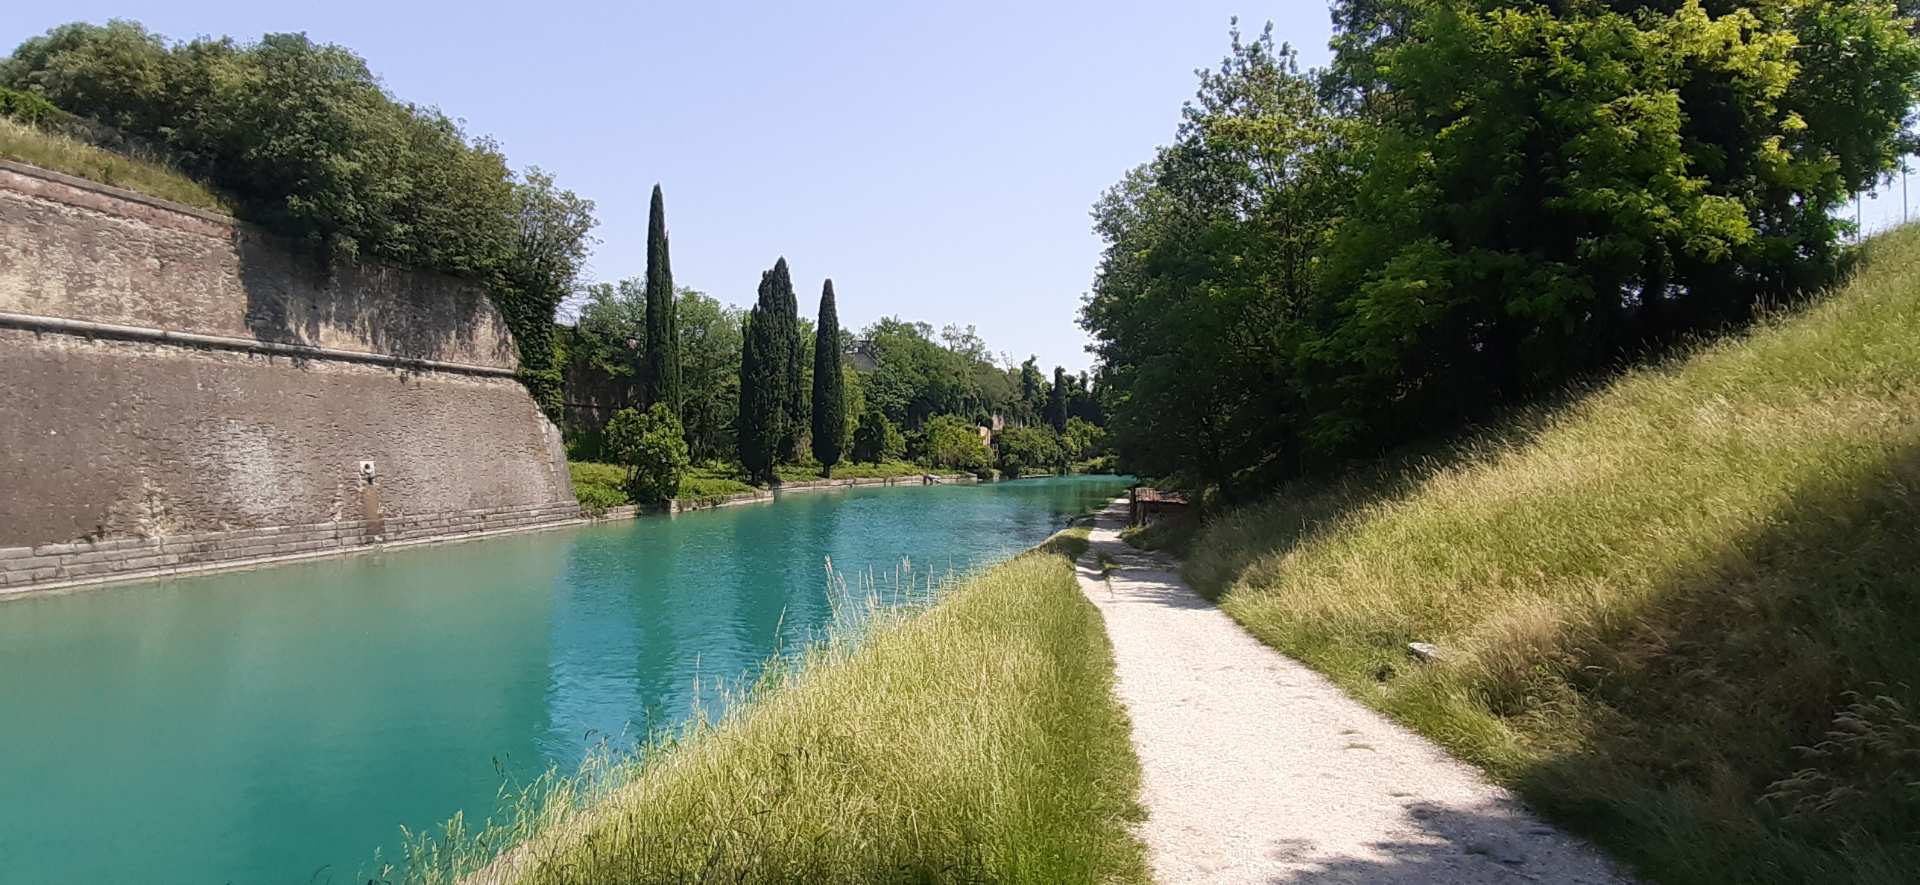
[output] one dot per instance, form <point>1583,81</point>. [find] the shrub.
<point>653,449</point>
<point>876,439</point>
<point>953,442</point>
<point>26,107</point>
<point>1019,449</point>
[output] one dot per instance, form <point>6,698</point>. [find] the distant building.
<point>863,357</point>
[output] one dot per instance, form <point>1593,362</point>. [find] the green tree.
<point>1033,393</point>
<point>710,343</point>
<point>552,237</point>
<point>829,387</point>
<point>952,442</point>
<point>797,420</point>
<point>662,377</point>
<point>768,370</point>
<point>653,447</point>
<point>612,330</point>
<point>1057,400</point>
<point>1083,439</point>
<point>876,439</point>
<point>301,134</point>
<point>1018,450</point>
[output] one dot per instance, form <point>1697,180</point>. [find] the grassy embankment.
<point>600,486</point>
<point>1682,612</point>
<point>881,470</point>
<point>975,740</point>
<point>26,144</point>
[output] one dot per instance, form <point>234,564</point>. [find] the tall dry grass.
<point>977,740</point>
<point>1682,611</point>
<point>59,153</point>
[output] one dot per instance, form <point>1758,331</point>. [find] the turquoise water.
<point>276,726</point>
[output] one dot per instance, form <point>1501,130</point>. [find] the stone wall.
<point>128,448</point>
<point>78,250</point>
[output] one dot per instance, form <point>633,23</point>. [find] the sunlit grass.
<point>600,486</point>
<point>975,740</point>
<point>25,144</point>
<point>1683,611</point>
<point>882,470</point>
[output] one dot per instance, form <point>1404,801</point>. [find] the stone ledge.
<point>27,570</point>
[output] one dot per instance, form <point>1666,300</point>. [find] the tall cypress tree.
<point>767,359</point>
<point>662,383</point>
<point>794,402</point>
<point>829,388</point>
<point>1057,400</point>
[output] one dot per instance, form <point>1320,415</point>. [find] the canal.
<point>278,725</point>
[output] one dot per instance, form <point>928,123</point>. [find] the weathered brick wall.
<point>122,455</point>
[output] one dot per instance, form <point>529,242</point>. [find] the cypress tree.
<point>795,420</point>
<point>1057,400</point>
<point>663,328</point>
<point>767,360</point>
<point>829,388</point>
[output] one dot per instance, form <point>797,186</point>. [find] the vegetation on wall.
<point>1480,200</point>
<point>304,140</point>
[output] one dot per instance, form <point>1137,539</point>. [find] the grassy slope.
<point>977,740</point>
<point>1655,595</point>
<point>25,144</point>
<point>599,486</point>
<point>883,469</point>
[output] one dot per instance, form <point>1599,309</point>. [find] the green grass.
<point>714,480</point>
<point>600,486</point>
<point>976,740</point>
<point>883,470</point>
<point>25,144</point>
<point>1683,610</point>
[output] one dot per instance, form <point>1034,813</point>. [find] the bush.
<point>26,107</point>
<point>1019,449</point>
<point>653,449</point>
<point>876,439</point>
<point>598,486</point>
<point>950,441</point>
<point>597,499</point>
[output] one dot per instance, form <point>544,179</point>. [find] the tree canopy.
<point>1478,201</point>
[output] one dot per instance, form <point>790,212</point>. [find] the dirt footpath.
<point>1257,769</point>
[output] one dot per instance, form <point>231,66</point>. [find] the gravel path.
<point>1257,769</point>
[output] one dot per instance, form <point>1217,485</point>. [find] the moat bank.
<point>279,721</point>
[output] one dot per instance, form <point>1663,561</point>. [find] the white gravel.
<point>1257,769</point>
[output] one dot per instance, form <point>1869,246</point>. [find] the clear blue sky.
<point>937,162</point>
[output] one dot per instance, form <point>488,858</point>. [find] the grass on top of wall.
<point>34,147</point>
<point>975,740</point>
<point>1681,612</point>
